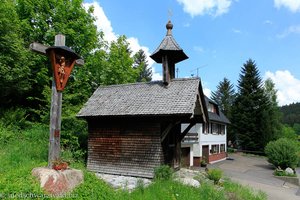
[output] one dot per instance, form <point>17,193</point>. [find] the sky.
<point>218,36</point>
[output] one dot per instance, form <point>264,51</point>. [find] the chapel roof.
<point>145,99</point>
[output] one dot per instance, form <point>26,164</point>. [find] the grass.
<point>235,191</point>
<point>21,151</point>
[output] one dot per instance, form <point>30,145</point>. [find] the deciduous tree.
<point>40,22</point>
<point>14,71</point>
<point>119,67</point>
<point>272,113</point>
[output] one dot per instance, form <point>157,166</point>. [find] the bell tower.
<point>168,53</point>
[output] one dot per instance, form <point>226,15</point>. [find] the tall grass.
<point>236,191</point>
<point>23,150</point>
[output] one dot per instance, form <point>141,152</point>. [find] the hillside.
<point>291,114</point>
<point>23,150</point>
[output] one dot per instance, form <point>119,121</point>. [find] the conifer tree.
<point>224,96</point>
<point>248,113</point>
<point>141,64</point>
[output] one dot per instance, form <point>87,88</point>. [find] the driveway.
<point>256,172</point>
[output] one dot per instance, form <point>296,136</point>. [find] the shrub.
<point>163,172</point>
<point>279,172</point>
<point>74,136</point>
<point>282,153</point>
<point>14,118</point>
<point>214,175</point>
<point>5,134</point>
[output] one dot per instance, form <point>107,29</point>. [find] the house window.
<point>214,128</point>
<point>222,129</point>
<point>222,148</point>
<point>205,128</point>
<point>217,128</point>
<point>210,107</point>
<point>214,149</point>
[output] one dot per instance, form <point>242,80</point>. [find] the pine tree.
<point>248,113</point>
<point>141,64</point>
<point>224,96</point>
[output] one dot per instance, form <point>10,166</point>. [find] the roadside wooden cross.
<point>62,60</point>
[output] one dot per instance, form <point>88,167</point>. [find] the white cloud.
<point>103,24</point>
<point>291,30</point>
<point>207,92</point>
<point>201,7</point>
<point>269,22</point>
<point>156,76</point>
<point>135,46</point>
<point>205,88</point>
<point>186,25</point>
<point>237,31</point>
<point>287,86</point>
<point>198,49</point>
<point>292,5</point>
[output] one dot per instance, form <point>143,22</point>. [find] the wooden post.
<point>56,99</point>
<point>55,115</point>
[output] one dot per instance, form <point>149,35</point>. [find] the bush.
<point>74,136</point>
<point>280,172</point>
<point>214,175</point>
<point>14,118</point>
<point>282,153</point>
<point>163,172</point>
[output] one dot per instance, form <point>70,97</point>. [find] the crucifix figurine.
<point>61,69</point>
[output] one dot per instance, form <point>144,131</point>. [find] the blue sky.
<point>217,35</point>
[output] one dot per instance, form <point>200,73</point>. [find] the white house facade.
<point>206,141</point>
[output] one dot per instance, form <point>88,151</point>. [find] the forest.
<point>291,114</point>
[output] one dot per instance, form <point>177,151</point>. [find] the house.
<point>134,128</point>
<point>206,141</point>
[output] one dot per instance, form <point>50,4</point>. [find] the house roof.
<point>144,99</point>
<point>169,47</point>
<point>219,116</point>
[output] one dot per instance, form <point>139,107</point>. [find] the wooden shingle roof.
<point>217,117</point>
<point>170,47</point>
<point>144,99</point>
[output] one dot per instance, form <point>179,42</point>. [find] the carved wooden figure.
<point>62,60</point>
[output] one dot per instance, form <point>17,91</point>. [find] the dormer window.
<point>211,108</point>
